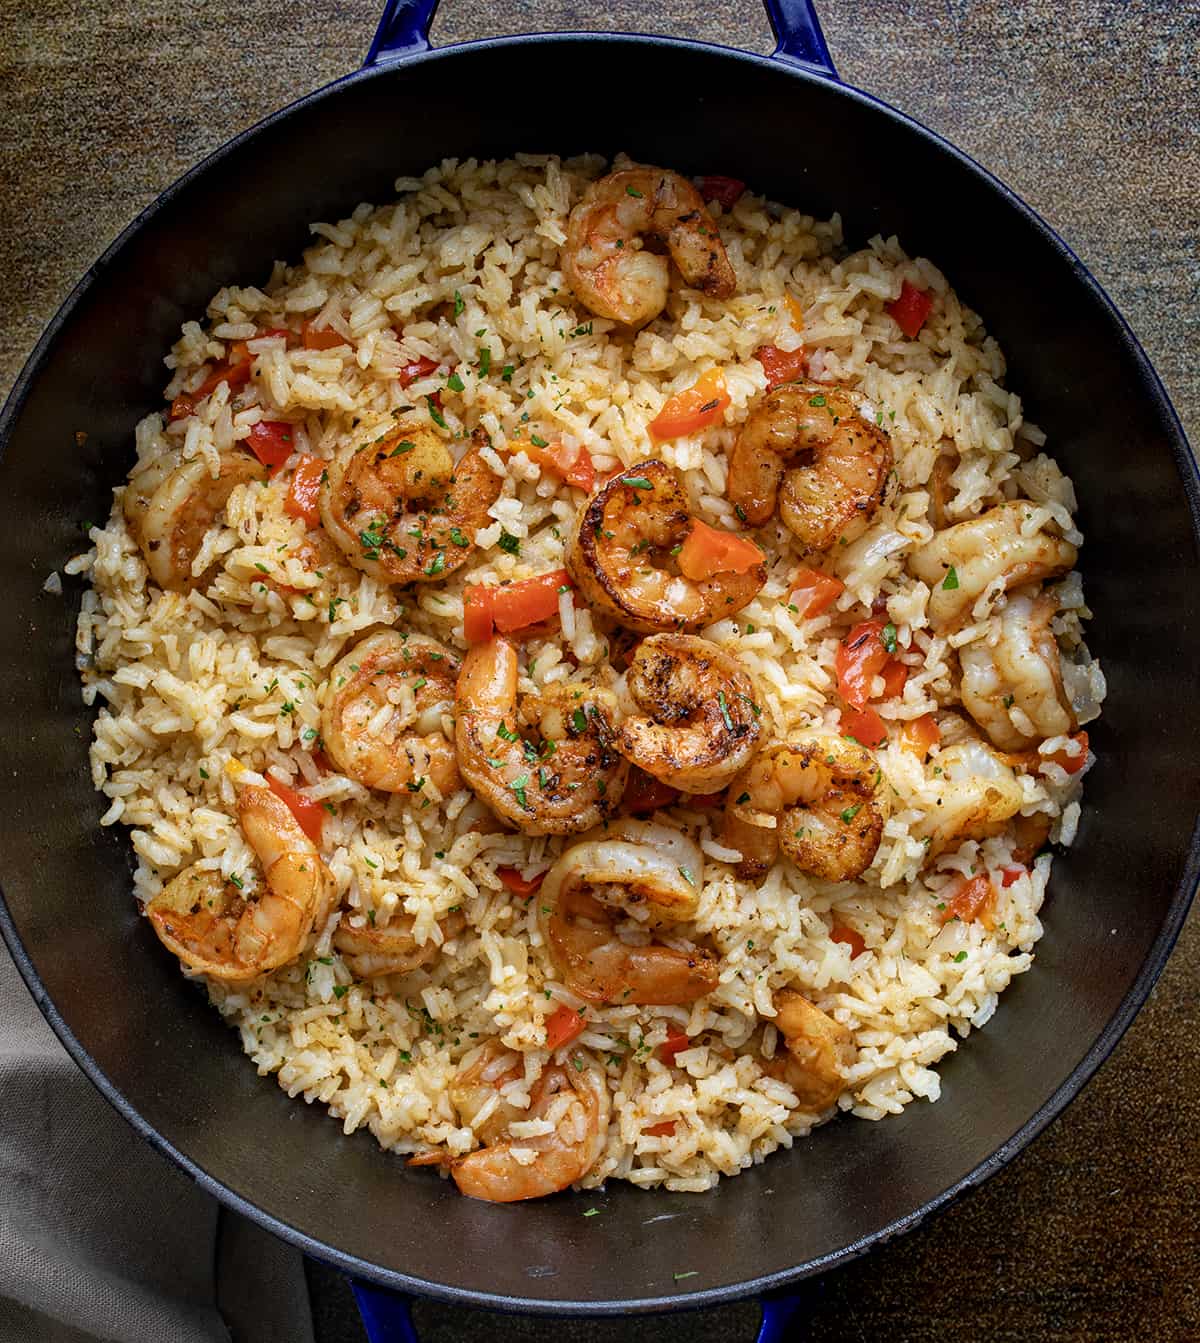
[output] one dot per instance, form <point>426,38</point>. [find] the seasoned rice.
<point>235,672</point>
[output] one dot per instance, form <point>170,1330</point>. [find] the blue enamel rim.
<point>1106,1041</point>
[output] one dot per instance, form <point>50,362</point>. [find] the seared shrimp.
<point>567,778</point>
<point>697,719</point>
<point>990,551</point>
<point>384,709</point>
<point>622,556</point>
<point>976,794</point>
<point>640,867</point>
<point>169,505</point>
<point>573,1102</point>
<point>819,798</point>
<point>833,464</point>
<point>215,929</point>
<point>605,263</point>
<point>401,510</point>
<point>391,949</point>
<point>1012,686</point>
<point>818,1050</point>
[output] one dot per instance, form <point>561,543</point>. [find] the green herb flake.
<point>592,1212</point>
<point>434,414</point>
<point>340,990</point>
<point>518,786</point>
<point>636,482</point>
<point>687,875</point>
<point>437,564</point>
<point>509,543</point>
<point>203,772</point>
<point>455,383</point>
<point>691,1273</point>
<point>459,304</point>
<point>507,373</point>
<point>237,881</point>
<point>816,401</point>
<point>962,956</point>
<point>579,720</point>
<point>950,582</point>
<point>888,635</point>
<point>745,797</point>
<point>851,812</point>
<point>485,361</point>
<point>721,704</point>
<point>634,192</point>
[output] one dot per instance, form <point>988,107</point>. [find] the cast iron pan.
<point>786,125</point>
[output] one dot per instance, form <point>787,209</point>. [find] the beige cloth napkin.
<point>100,1236</point>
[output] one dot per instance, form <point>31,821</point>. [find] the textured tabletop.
<point>1091,111</point>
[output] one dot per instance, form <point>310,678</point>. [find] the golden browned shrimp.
<point>818,1051</point>
<point>382,721</point>
<point>833,464</point>
<point>391,949</point>
<point>399,507</point>
<point>547,1147</point>
<point>213,927</point>
<point>990,551</point>
<point>975,794</point>
<point>695,719</point>
<point>622,556</point>
<point>1012,685</point>
<point>605,263</point>
<point>637,867</point>
<point>169,505</point>
<point>819,798</point>
<point>563,778</point>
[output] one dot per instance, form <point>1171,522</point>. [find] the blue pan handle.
<point>387,1316</point>
<point>404,31</point>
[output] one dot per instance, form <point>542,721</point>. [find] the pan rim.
<point>1067,1090</point>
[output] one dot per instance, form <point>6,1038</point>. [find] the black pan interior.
<point>1117,899</point>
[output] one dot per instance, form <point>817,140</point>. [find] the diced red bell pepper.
<point>921,735</point>
<point>814,593</point>
<point>419,368</point>
<point>911,309</point>
<point>479,616</point>
<point>516,606</point>
<point>309,815</point>
<point>562,1026</point>
<point>782,366</point>
<point>271,441</point>
<point>304,492</point>
<point>1011,874</point>
<point>708,551</point>
<point>676,1041</point>
<point>321,337</point>
<point>864,725</point>
<point>840,933</point>
<point>519,885</point>
<point>1071,763</point>
<point>235,371</point>
<point>727,191</point>
<point>973,900</point>
<point>894,674</point>
<point>860,657</point>
<point>663,1130</point>
<point>694,408</point>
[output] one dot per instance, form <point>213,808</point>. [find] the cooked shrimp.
<point>609,270</point>
<point>975,794</point>
<point>699,714</point>
<point>832,462</point>
<point>169,505</point>
<point>1012,685</point>
<point>819,798</point>
<point>636,867</point>
<point>567,778</point>
<point>476,1085</point>
<point>391,948</point>
<point>382,721</point>
<point>622,556</point>
<point>401,509</point>
<point>990,551</point>
<point>818,1051</point>
<point>574,1101</point>
<point>217,930</point>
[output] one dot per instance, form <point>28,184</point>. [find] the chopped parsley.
<point>403,446</point>
<point>509,543</point>
<point>340,990</point>
<point>950,582</point>
<point>724,710</point>
<point>518,786</point>
<point>507,374</point>
<point>851,812</point>
<point>636,482</point>
<point>579,720</point>
<point>437,564</point>
<point>592,1212</point>
<point>686,874</point>
<point>888,635</point>
<point>816,401</point>
<point>459,304</point>
<point>634,192</point>
<point>962,956</point>
<point>485,361</point>
<point>434,413</point>
<point>455,383</point>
